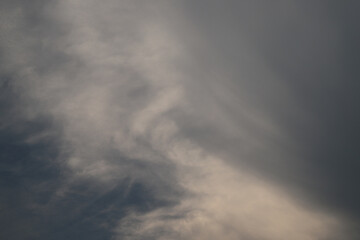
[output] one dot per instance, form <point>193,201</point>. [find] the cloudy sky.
<point>179,119</point>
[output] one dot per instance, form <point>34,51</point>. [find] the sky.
<point>177,120</point>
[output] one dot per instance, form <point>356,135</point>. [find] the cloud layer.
<point>174,120</point>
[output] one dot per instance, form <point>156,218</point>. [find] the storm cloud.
<point>179,120</point>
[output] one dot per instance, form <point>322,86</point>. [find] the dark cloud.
<point>175,119</point>
<point>311,49</point>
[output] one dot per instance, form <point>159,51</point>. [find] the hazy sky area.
<point>179,120</point>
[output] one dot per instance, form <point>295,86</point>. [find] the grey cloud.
<point>296,74</point>
<point>180,120</point>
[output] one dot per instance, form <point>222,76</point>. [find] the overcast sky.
<point>177,120</point>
